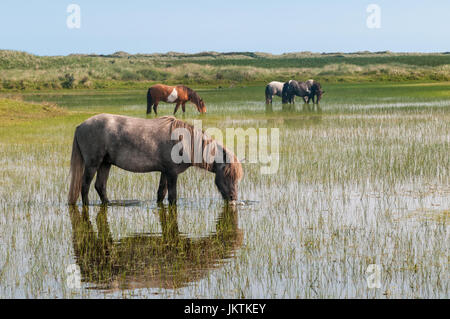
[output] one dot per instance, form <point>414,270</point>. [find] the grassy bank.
<point>22,71</point>
<point>15,111</point>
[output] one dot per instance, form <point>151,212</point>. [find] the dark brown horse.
<point>179,94</point>
<point>146,145</point>
<point>316,91</point>
<point>293,88</point>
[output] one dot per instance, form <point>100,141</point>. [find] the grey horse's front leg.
<point>162,189</point>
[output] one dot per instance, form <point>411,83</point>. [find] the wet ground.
<point>363,180</point>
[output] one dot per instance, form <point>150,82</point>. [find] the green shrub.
<point>153,75</point>
<point>68,81</point>
<point>130,76</point>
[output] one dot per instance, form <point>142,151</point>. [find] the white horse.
<point>273,88</point>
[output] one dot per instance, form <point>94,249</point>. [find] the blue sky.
<point>192,26</point>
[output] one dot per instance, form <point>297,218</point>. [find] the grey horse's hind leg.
<point>100,182</point>
<point>172,188</point>
<point>88,175</point>
<point>162,190</point>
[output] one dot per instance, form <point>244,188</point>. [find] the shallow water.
<point>356,185</point>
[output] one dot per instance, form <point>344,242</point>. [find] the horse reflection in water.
<point>167,260</point>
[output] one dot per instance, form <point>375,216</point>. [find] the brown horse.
<point>146,145</point>
<point>179,94</point>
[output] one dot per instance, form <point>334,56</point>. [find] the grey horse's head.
<point>228,175</point>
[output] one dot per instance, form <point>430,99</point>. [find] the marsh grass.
<point>21,71</point>
<point>363,181</point>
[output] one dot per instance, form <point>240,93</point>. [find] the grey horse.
<point>293,88</point>
<point>145,145</point>
<point>273,88</point>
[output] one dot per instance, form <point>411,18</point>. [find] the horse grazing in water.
<point>146,145</point>
<point>293,88</point>
<point>316,91</point>
<point>179,94</point>
<point>273,88</point>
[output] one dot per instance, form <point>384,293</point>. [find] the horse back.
<point>170,94</point>
<point>137,145</point>
<point>276,87</point>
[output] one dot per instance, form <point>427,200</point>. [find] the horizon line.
<point>125,53</point>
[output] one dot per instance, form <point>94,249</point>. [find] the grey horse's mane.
<point>233,167</point>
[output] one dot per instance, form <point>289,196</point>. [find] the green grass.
<point>321,61</point>
<point>22,71</point>
<point>340,98</point>
<point>363,180</point>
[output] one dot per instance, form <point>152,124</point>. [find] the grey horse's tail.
<point>149,101</point>
<point>76,172</point>
<point>268,94</point>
